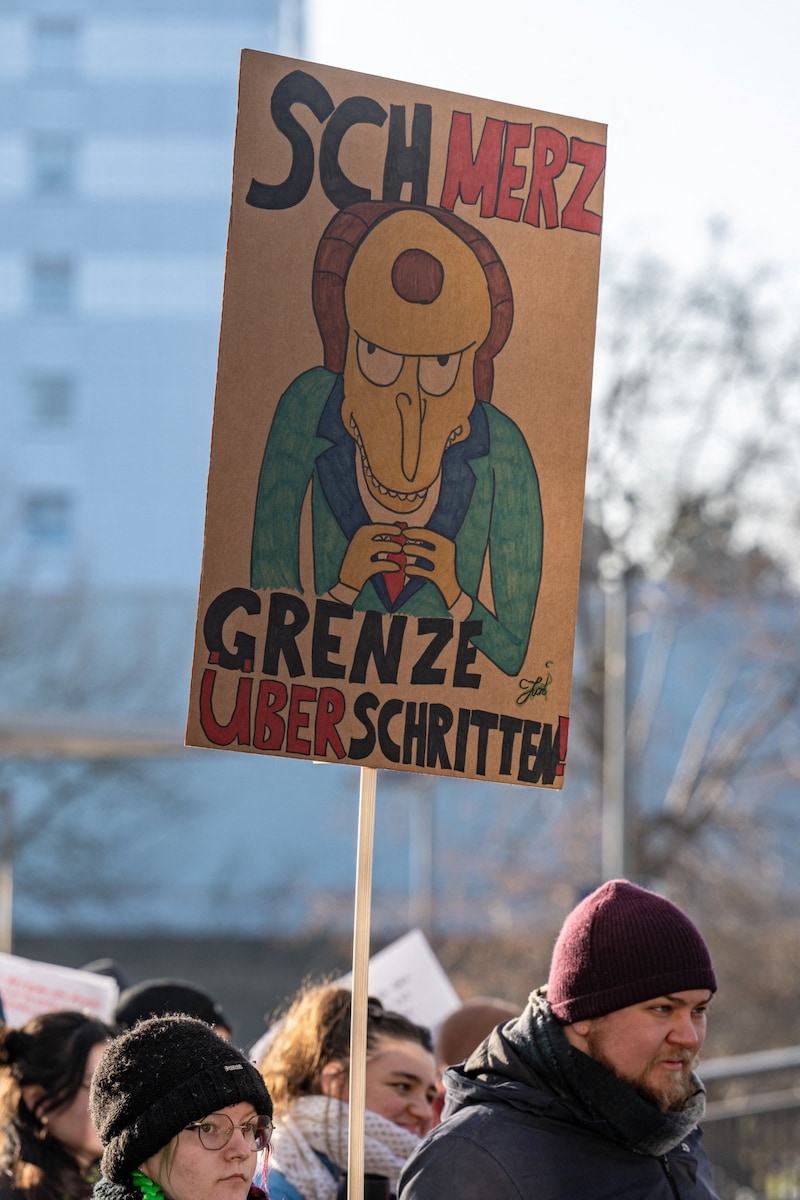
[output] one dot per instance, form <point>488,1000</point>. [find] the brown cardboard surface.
<point>418,270</point>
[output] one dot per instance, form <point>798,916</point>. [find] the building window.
<point>51,402</point>
<point>51,284</point>
<point>48,519</point>
<point>53,167</point>
<point>55,46</point>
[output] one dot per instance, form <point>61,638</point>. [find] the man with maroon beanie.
<point>591,1093</point>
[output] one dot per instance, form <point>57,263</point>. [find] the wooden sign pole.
<point>358,1017</point>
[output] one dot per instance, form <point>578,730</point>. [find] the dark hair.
<point>50,1051</point>
<point>163,997</point>
<point>315,1031</point>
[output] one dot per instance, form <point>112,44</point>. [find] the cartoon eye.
<point>377,365</point>
<point>437,374</point>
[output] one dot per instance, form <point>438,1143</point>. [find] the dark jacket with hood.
<point>530,1117</point>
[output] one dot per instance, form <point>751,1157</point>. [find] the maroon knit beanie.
<point>621,945</point>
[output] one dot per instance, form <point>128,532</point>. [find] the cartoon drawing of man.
<point>417,480</point>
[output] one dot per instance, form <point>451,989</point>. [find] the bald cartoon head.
<point>412,304</point>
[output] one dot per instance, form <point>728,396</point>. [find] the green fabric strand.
<point>149,1189</point>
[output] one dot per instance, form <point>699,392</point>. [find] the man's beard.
<point>673,1097</point>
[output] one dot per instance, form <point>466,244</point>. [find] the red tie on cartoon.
<point>395,580</point>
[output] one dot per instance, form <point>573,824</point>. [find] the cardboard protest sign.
<point>29,988</point>
<point>395,492</point>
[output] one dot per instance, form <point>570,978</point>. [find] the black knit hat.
<point>159,1077</point>
<point>620,946</point>
<point>164,997</point>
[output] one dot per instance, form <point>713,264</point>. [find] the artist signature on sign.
<point>535,687</point>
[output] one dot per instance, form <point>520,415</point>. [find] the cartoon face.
<point>418,309</point>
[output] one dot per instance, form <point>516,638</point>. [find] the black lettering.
<point>442,630</point>
<point>545,766</point>
<point>324,643</point>
<point>288,617</point>
<point>466,653</point>
<point>296,88</point>
<point>415,731</point>
<point>371,646</point>
<point>509,727</point>
<point>217,613</point>
<point>404,163</point>
<point>462,737</point>
<point>362,747</point>
<point>483,722</point>
<point>357,110</point>
<point>439,725</point>
<point>389,748</point>
<point>527,752</point>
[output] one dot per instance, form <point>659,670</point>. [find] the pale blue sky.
<point>701,97</point>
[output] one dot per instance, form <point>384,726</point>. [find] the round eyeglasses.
<point>217,1130</point>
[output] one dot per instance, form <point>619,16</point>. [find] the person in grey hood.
<point>591,1093</point>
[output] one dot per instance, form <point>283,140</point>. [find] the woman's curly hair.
<point>315,1031</point>
<point>49,1052</point>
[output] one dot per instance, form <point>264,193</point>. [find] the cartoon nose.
<point>412,414</point>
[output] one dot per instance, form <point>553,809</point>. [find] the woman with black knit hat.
<point>49,1149</point>
<point>181,1113</point>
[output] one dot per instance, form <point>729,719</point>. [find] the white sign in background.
<point>29,988</point>
<point>406,977</point>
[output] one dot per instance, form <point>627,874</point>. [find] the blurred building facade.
<point>117,122</point>
<point>116,142</point>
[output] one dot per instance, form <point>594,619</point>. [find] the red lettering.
<point>550,156</point>
<point>512,176</point>
<point>330,710</point>
<point>269,728</point>
<point>592,157</point>
<point>238,727</point>
<point>470,177</point>
<point>298,719</point>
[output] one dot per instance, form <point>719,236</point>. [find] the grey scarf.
<point>535,1045</point>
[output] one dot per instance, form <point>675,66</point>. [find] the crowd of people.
<point>590,1091</point>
